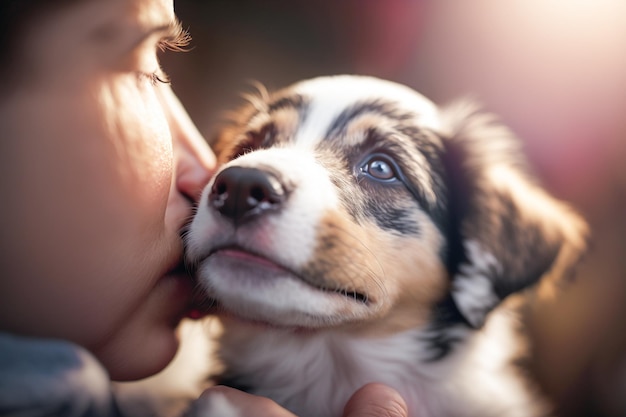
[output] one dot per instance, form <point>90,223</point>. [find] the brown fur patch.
<point>285,122</point>
<point>401,276</point>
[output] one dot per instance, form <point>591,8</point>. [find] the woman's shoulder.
<point>51,377</point>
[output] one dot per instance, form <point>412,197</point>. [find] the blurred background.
<point>554,71</point>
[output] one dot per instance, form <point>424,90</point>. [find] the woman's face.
<point>100,165</point>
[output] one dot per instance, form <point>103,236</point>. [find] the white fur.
<point>285,234</point>
<point>283,237</point>
<point>293,239</point>
<point>329,102</point>
<point>325,369</point>
<point>471,289</point>
<point>293,302</point>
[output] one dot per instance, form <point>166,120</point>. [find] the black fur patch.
<point>295,101</point>
<point>389,205</point>
<point>406,143</point>
<point>379,107</point>
<point>396,219</point>
<point>440,337</point>
<point>264,137</point>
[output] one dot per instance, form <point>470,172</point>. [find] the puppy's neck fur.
<point>314,374</point>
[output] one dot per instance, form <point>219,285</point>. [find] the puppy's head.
<point>351,200</point>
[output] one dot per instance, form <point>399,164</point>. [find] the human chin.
<point>143,355</point>
<point>145,343</point>
<point>140,349</point>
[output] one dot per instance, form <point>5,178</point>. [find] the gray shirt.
<point>46,377</point>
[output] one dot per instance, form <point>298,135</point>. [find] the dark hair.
<point>16,17</point>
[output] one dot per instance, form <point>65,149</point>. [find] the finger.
<point>223,401</point>
<point>376,400</point>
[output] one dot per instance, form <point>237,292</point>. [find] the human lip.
<point>176,288</point>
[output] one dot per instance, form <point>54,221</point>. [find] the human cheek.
<point>193,159</point>
<point>138,127</point>
<point>195,162</point>
<point>84,226</point>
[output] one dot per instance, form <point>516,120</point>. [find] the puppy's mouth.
<point>255,287</point>
<point>262,262</point>
<point>253,259</point>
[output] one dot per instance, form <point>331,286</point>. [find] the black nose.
<point>240,193</point>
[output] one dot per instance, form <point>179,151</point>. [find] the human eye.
<point>144,55</point>
<point>155,78</point>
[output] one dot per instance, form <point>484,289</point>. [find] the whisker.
<point>361,274</point>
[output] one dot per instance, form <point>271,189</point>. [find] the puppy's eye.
<point>380,167</point>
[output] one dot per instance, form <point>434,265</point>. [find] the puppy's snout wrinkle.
<point>241,194</point>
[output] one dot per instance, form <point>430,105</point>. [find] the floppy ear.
<point>508,232</point>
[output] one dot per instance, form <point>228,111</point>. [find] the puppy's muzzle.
<point>241,194</point>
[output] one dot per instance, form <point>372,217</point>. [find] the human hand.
<point>372,400</point>
<point>376,400</point>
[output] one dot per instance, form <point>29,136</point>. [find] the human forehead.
<point>70,43</point>
<point>115,20</point>
<point>108,22</point>
<point>137,15</point>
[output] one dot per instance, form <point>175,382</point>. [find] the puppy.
<point>358,233</point>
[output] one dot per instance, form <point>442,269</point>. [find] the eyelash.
<point>154,77</point>
<point>159,78</point>
<point>177,41</point>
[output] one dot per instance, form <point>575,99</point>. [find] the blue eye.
<point>379,167</point>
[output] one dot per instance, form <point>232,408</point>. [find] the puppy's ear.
<point>507,232</point>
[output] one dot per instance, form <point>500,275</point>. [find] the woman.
<point>101,167</point>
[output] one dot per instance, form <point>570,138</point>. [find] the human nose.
<point>195,162</point>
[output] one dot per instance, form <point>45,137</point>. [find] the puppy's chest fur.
<point>314,374</point>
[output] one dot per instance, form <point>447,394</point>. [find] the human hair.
<point>17,17</point>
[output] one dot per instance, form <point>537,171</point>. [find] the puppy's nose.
<point>240,193</point>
